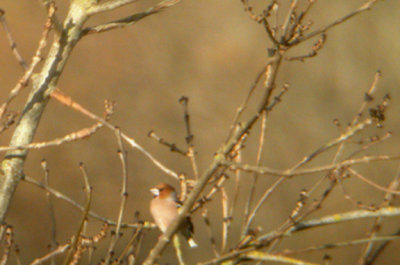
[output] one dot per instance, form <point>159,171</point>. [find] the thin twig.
<point>379,250</point>
<point>336,219</point>
<point>207,223</point>
<point>7,120</point>
<point>368,254</point>
<point>316,204</point>
<point>235,193</point>
<point>72,137</point>
<point>368,98</point>
<point>262,256</point>
<point>299,172</point>
<point>217,186</point>
<point>296,217</point>
<point>251,215</point>
<point>271,73</point>
<point>75,244</point>
<point>261,201</point>
<point>11,41</point>
<point>373,140</point>
<point>338,244</point>
<point>351,131</point>
<point>249,10</point>
<point>303,14</point>
<point>246,223</point>
<point>229,256</point>
<point>60,195</point>
<point>236,155</point>
<point>124,195</point>
<point>42,86</point>
<point>161,141</point>
<point>269,30</point>
<point>59,250</point>
<point>370,182</point>
<point>243,106</point>
<point>278,98</point>
<point>66,100</point>
<point>85,241</point>
<point>108,6</point>
<point>340,175</point>
<point>189,136</point>
<point>136,235</point>
<point>122,154</point>
<point>226,219</point>
<point>8,238</point>
<point>314,50</point>
<point>129,20</point>
<point>53,234</point>
<point>23,82</point>
<point>289,16</point>
<point>330,219</point>
<point>366,6</point>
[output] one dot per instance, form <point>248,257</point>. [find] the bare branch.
<point>23,82</point>
<point>11,41</point>
<point>366,6</point>
<point>291,172</point>
<point>189,136</point>
<point>43,85</point>
<point>60,195</point>
<point>62,98</point>
<point>108,6</point>
<point>340,244</point>
<point>336,219</point>
<point>74,136</point>
<point>124,195</point>
<point>272,69</point>
<point>59,250</point>
<point>75,244</point>
<point>129,20</point>
<point>171,146</point>
<point>51,208</point>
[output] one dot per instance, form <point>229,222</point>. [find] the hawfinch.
<point>164,208</point>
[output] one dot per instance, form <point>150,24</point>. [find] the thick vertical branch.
<point>43,85</point>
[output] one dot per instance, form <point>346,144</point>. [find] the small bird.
<point>164,208</point>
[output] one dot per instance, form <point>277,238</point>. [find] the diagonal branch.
<point>300,172</point>
<point>129,20</point>
<point>108,6</point>
<point>336,219</point>
<point>43,84</point>
<point>365,7</point>
<point>272,70</point>
<point>66,100</point>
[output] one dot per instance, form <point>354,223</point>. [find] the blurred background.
<point>209,51</point>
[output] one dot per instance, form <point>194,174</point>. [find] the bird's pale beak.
<point>155,191</point>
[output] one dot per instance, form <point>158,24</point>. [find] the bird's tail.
<point>192,243</point>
